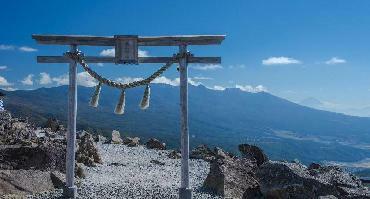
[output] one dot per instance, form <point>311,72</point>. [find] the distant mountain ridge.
<point>285,130</point>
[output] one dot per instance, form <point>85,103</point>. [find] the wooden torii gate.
<point>126,52</point>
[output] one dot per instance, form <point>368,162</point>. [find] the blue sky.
<point>294,49</point>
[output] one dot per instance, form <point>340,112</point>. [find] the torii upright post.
<point>71,189</point>
<point>185,191</point>
<point>129,55</point>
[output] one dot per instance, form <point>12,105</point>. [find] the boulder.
<point>87,152</point>
<point>253,152</point>
<point>45,156</point>
<point>53,124</point>
<point>131,142</point>
<point>22,182</point>
<point>174,155</point>
<point>155,144</point>
<point>202,152</point>
<point>294,180</point>
<point>116,137</point>
<point>231,177</point>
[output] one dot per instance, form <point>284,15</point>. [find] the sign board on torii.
<point>126,52</point>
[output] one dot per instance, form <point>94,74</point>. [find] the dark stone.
<point>53,124</point>
<point>231,177</point>
<point>155,144</point>
<point>254,153</point>
<point>174,155</point>
<point>202,152</point>
<point>294,180</point>
<point>157,162</point>
<point>131,142</point>
<point>87,152</point>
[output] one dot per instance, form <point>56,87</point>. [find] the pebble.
<point>127,172</point>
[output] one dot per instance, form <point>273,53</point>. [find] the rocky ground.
<point>32,165</point>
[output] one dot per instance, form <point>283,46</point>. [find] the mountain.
<point>285,130</point>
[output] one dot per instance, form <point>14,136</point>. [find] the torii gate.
<point>126,52</point>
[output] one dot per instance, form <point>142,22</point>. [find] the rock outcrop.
<point>116,137</point>
<point>232,177</point>
<point>294,180</point>
<point>87,152</point>
<point>253,152</point>
<point>202,152</point>
<point>155,144</point>
<point>254,176</point>
<point>174,154</point>
<point>131,142</point>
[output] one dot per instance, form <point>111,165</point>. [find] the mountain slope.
<point>225,118</point>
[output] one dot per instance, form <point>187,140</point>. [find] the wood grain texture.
<point>142,40</point>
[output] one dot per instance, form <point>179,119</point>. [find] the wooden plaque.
<point>126,49</point>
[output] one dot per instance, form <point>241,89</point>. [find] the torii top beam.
<point>141,41</point>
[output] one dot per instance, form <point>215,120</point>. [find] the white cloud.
<point>165,80</point>
<point>45,79</point>
<point>107,52</point>
<point>111,53</point>
<point>280,61</point>
<point>251,89</point>
<point>6,47</point>
<point>202,78</point>
<point>27,49</point>
<point>159,80</point>
<point>83,79</point>
<point>3,67</point>
<point>9,88</point>
<point>207,67</point>
<point>126,80</point>
<point>61,80</point>
<point>4,82</point>
<point>218,88</point>
<point>335,60</point>
<point>143,53</point>
<point>28,80</point>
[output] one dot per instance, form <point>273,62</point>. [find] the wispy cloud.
<point>45,79</point>
<point>9,88</point>
<point>4,82</point>
<point>218,88</point>
<point>165,80</point>
<point>202,78</point>
<point>111,53</point>
<point>27,49</point>
<point>280,61</point>
<point>207,67</point>
<point>251,89</point>
<point>335,60</point>
<point>28,80</point>
<point>83,79</point>
<point>3,67</point>
<point>6,47</point>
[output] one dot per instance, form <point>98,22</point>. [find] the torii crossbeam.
<point>126,52</point>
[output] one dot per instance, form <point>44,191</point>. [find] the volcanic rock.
<point>231,177</point>
<point>155,144</point>
<point>116,137</point>
<point>253,152</point>
<point>131,142</point>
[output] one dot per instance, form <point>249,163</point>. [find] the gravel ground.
<point>129,173</point>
